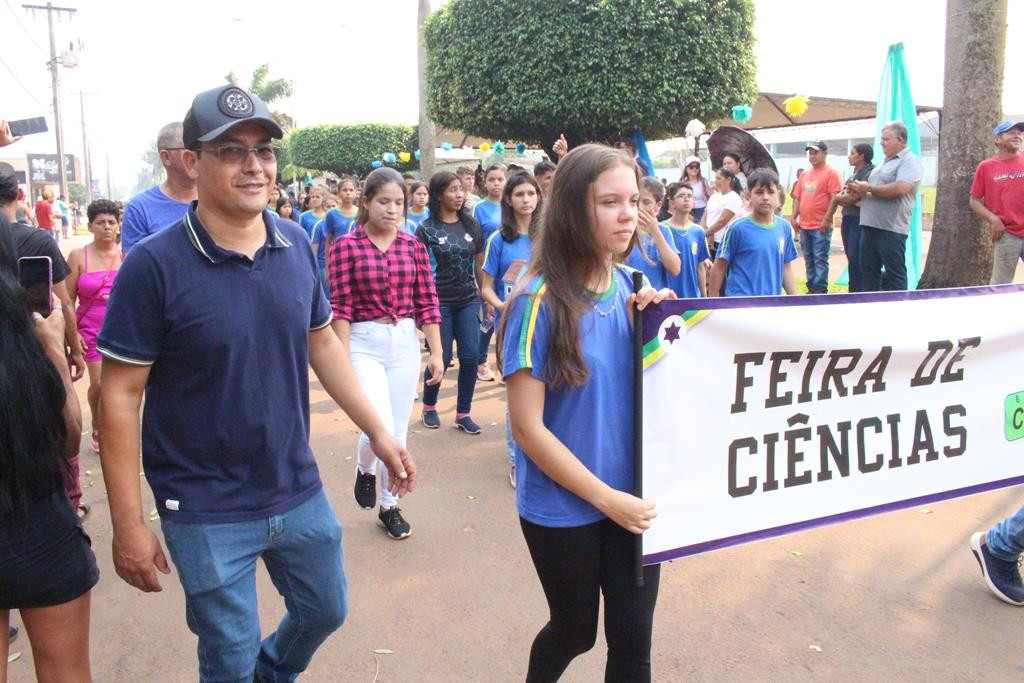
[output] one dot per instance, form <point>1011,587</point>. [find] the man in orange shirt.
<point>814,207</point>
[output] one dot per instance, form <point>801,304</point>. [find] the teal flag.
<point>895,103</point>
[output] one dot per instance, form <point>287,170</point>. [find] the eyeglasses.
<point>693,166</point>
<point>236,154</point>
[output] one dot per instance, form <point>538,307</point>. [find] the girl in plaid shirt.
<point>382,289</point>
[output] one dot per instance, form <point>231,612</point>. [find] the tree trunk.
<point>960,253</point>
<point>427,140</point>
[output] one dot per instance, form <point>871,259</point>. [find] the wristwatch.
<point>869,192</point>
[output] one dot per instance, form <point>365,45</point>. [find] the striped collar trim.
<point>205,245</point>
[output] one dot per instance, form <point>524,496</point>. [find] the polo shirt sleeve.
<point>320,308</point>
<point>911,170</point>
<point>133,226</point>
<point>525,344</point>
<point>978,186</point>
<point>134,324</point>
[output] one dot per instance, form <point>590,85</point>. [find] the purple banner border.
<point>761,534</point>
<point>653,322</point>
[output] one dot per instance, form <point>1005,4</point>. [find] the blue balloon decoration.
<point>520,148</point>
<point>446,146</point>
<point>417,155</point>
<point>376,163</point>
<point>742,113</point>
<point>390,157</point>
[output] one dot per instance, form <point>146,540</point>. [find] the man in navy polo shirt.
<point>216,320</point>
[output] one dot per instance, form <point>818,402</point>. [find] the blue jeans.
<point>851,245</point>
<point>461,324</point>
<point>325,283</point>
<point>882,248</point>
<point>217,568</point>
<point>1006,539</point>
<point>815,246</point>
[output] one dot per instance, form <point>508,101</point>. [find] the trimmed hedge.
<point>593,69</point>
<point>350,149</point>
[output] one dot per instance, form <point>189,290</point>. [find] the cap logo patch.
<point>234,102</point>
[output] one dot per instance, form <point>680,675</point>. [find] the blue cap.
<point>1005,126</point>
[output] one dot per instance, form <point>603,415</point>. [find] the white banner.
<point>768,415</point>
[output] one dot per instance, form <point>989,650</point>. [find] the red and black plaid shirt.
<point>368,284</point>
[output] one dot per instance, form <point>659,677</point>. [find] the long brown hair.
<point>566,254</point>
<point>509,227</point>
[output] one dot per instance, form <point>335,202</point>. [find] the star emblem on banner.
<point>672,333</point>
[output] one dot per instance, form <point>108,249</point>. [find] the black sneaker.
<point>393,522</point>
<point>1001,576</point>
<point>466,424</point>
<point>366,490</point>
<point>431,420</point>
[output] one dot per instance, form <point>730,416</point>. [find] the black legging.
<point>575,565</point>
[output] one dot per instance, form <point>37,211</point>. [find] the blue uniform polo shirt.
<point>225,428</point>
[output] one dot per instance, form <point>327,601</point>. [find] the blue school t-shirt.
<point>499,256</point>
<point>606,399</point>
<point>756,254</point>
<point>308,221</point>
<point>335,224</point>
<point>488,214</point>
<point>418,218</point>
<point>693,251</point>
<point>655,271</point>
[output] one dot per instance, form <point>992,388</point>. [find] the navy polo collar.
<point>205,245</point>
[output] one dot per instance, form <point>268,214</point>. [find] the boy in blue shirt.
<point>691,243</point>
<point>757,251</point>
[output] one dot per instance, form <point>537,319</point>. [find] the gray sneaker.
<point>393,522</point>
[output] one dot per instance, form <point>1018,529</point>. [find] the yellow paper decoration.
<point>796,105</point>
<point>485,146</point>
<point>404,156</point>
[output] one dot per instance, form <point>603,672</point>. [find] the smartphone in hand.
<point>20,127</point>
<point>35,273</point>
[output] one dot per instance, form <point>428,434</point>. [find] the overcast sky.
<point>143,61</point>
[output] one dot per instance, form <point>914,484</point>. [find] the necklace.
<point>614,296</point>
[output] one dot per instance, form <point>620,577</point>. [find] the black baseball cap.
<point>214,112</point>
<point>818,145</point>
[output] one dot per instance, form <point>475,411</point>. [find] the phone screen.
<point>28,126</point>
<point>35,273</point>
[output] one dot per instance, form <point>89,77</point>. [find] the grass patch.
<point>833,288</point>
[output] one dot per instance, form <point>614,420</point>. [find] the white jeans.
<point>386,359</point>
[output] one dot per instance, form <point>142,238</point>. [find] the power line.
<point>23,28</point>
<point>18,81</point>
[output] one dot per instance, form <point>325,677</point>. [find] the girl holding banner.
<point>566,354</point>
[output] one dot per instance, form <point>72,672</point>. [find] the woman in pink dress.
<point>93,269</point>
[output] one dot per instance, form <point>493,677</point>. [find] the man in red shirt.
<point>44,214</point>
<point>814,207</point>
<point>997,195</point>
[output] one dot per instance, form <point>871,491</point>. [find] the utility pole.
<point>110,194</point>
<point>86,156</point>
<point>55,77</point>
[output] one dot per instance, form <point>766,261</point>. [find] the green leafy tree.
<point>268,90</point>
<point>350,149</point>
<point>593,69</point>
<point>76,191</point>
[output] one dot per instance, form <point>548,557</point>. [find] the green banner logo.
<point>1014,410</point>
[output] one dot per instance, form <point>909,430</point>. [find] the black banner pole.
<point>638,419</point>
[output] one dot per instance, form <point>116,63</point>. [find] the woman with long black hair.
<point>47,568</point>
<point>456,246</point>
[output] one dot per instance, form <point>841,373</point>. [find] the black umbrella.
<point>752,153</point>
